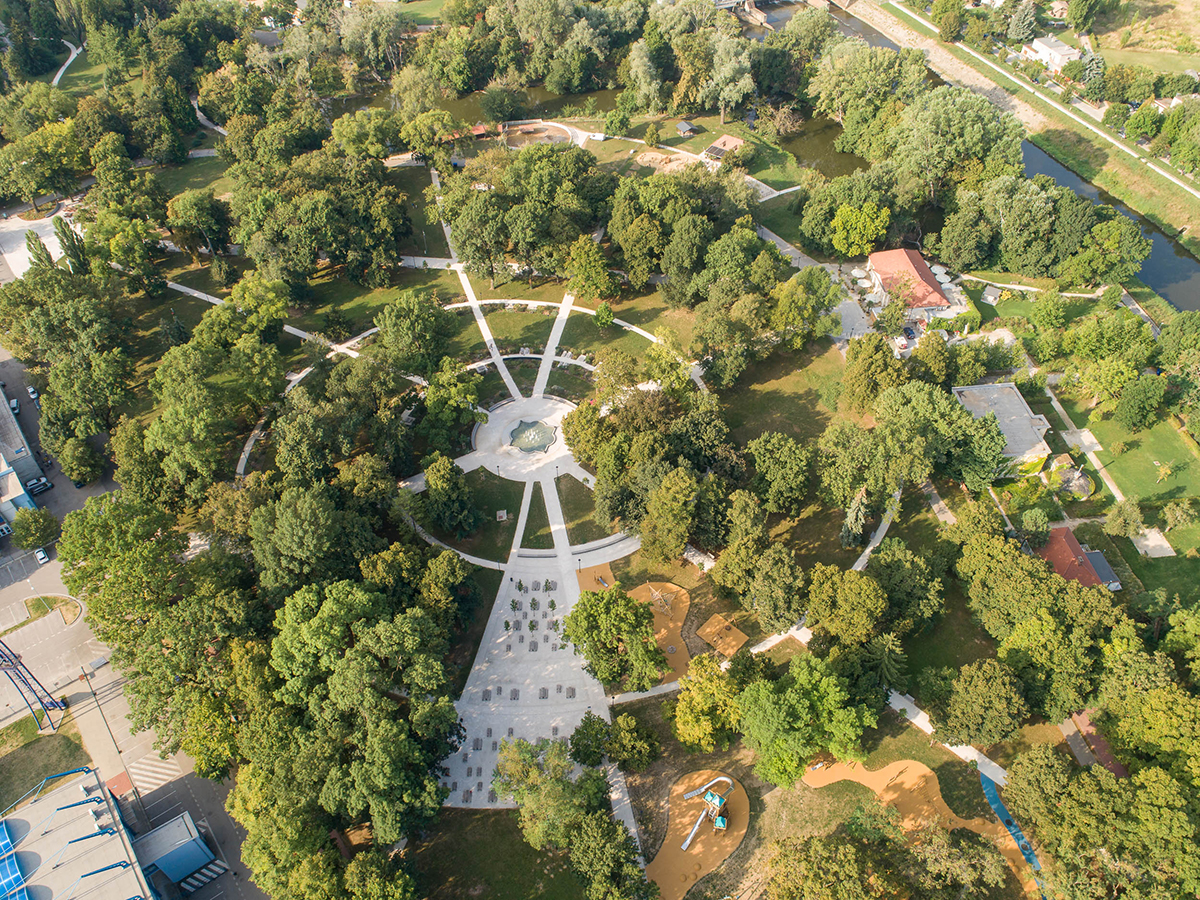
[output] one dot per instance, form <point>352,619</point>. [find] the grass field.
<point>83,77</point>
<point>147,342</point>
<point>471,854</point>
<point>550,290</point>
<point>513,329</point>
<point>583,335</point>
<point>537,534</point>
<point>360,304</point>
<point>794,392</point>
<point>777,215</point>
<point>203,172</point>
<point>465,642</point>
<point>492,540</point>
<point>578,507</point>
<point>772,165</point>
<point>524,373</point>
<point>26,757</point>
<point>425,12</point>
<point>570,382</point>
<point>650,312</point>
<point>426,239</point>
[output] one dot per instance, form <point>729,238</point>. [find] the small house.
<point>686,129</point>
<point>726,143</point>
<point>1024,430</point>
<point>1058,10</point>
<point>1050,52</point>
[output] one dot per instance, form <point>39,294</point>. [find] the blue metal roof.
<point>12,882</point>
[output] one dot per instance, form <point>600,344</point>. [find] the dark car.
<point>910,334</point>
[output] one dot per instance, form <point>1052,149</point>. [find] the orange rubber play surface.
<point>718,631</point>
<point>668,628</point>
<point>912,789</point>
<point>675,870</point>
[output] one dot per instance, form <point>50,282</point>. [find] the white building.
<point>1050,52</point>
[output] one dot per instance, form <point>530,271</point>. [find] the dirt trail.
<point>946,64</point>
<point>675,870</point>
<point>912,789</point>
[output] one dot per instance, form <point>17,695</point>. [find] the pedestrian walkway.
<point>880,532</point>
<point>938,505</point>
<point>907,707</point>
<point>75,51</point>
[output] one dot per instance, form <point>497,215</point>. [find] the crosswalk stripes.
<point>151,772</point>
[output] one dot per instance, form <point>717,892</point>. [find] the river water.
<point>1170,270</point>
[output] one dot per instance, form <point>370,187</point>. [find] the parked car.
<point>33,394</point>
<point>15,406</point>
<point>40,555</point>
<point>909,333</point>
<point>902,342</point>
<point>38,486</point>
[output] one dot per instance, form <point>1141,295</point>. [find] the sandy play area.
<point>718,631</point>
<point>665,162</point>
<point>668,626</point>
<point>912,789</point>
<point>675,870</point>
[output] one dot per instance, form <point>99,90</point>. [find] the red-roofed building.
<point>1072,560</point>
<point>907,273</point>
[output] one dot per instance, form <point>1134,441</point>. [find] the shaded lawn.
<point>493,539</point>
<point>330,290</point>
<point>524,373</point>
<point>513,329</point>
<point>579,506</point>
<point>464,643</point>
<point>27,757</point>
<point>550,290</point>
<point>1029,736</point>
<point>425,12</point>
<point>650,312</point>
<point>571,382</point>
<point>793,392</point>
<point>180,268</point>
<point>895,739</point>
<point>202,172</point>
<point>1177,575</point>
<point>776,214</point>
<point>492,389</point>
<point>426,239</point>
<point>952,639</point>
<point>84,77</point>
<point>537,534</point>
<point>466,345</point>
<point>583,335</point>
<point>815,536</point>
<point>471,853</point>
<point>147,343</point>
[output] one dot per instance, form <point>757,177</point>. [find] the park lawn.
<point>583,335</point>
<point>146,341</point>
<point>202,172</point>
<point>537,534</point>
<point>464,644</point>
<point>1156,60</point>
<point>772,165</point>
<point>793,392</point>
<point>524,373</point>
<point>776,215</point>
<point>650,312</point>
<point>1177,575</point>
<point>83,77</point>
<point>468,854</point>
<point>550,290</point>
<point>59,58</point>
<point>426,239</point>
<point>1029,736</point>
<point>493,539</point>
<point>952,639</point>
<point>579,507</point>
<point>27,757</point>
<point>514,329</point>
<point>330,290</point>
<point>179,268</point>
<point>424,12</point>
<point>619,156</point>
<point>1158,308</point>
<point>570,382</point>
<point>492,389</point>
<point>997,278</point>
<point>814,535</point>
<point>467,343</point>
<point>1136,470</point>
<point>895,739</point>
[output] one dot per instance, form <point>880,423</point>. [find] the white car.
<point>40,555</point>
<point>33,394</point>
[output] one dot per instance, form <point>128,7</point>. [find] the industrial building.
<point>18,465</point>
<point>67,839</point>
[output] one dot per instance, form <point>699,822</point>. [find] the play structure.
<point>708,814</point>
<point>714,807</point>
<point>670,604</point>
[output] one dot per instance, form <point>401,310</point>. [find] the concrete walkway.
<point>75,51</point>
<point>798,259</point>
<point>906,706</point>
<point>488,340</point>
<point>880,532</point>
<point>560,323</point>
<point>938,505</point>
<point>631,696</point>
<point>205,121</point>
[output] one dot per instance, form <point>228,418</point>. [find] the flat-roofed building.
<point>1024,430</point>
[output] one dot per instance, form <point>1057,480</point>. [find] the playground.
<point>911,788</point>
<point>709,812</point>
<point>670,603</point>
